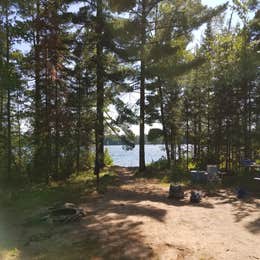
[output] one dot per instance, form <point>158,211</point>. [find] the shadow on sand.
<point>111,227</point>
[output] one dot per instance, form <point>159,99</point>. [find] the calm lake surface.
<point>153,152</point>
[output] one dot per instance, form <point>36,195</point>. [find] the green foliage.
<point>121,6</point>
<point>160,164</point>
<point>205,159</point>
<point>24,206</point>
<point>23,197</point>
<point>89,160</point>
<point>108,159</point>
<point>242,178</point>
<point>55,98</point>
<point>154,134</point>
<point>160,170</point>
<point>179,174</point>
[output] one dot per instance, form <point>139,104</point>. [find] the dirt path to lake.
<point>136,220</point>
<point>139,221</point>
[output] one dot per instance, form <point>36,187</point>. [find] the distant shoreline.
<point>135,144</point>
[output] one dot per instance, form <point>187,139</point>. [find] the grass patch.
<point>30,197</point>
<point>21,206</point>
<point>160,170</point>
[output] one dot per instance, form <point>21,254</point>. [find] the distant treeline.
<point>118,140</point>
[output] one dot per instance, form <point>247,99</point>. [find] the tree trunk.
<point>165,134</point>
<point>47,133</point>
<point>199,128</point>
<point>9,141</point>
<point>19,135</point>
<point>249,123</point>
<point>142,90</point>
<point>179,151</point>
<point>173,146</point>
<point>37,93</point>
<point>187,139</point>
<point>1,110</point>
<point>195,140</point>
<point>57,133</point>
<point>208,122</point>
<point>79,126</point>
<point>99,133</point>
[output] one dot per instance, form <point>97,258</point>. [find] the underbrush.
<point>30,196</point>
<point>21,205</point>
<point>243,179</point>
<point>160,170</point>
<point>178,174</point>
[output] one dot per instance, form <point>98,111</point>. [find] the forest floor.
<point>134,219</point>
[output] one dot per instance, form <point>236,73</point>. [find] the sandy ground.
<point>137,221</point>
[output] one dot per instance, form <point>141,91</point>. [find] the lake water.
<point>153,152</point>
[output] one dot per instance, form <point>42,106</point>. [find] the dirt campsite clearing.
<point>136,220</point>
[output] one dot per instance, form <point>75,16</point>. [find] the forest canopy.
<point>64,63</point>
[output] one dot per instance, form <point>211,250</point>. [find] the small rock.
<point>176,192</point>
<point>195,197</point>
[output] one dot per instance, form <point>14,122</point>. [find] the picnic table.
<point>210,175</point>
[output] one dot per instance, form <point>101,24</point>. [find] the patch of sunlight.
<point>191,165</point>
<point>89,176</point>
<point>11,254</point>
<point>81,177</point>
<point>165,180</point>
<point>164,184</point>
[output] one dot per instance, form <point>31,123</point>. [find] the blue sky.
<point>213,3</point>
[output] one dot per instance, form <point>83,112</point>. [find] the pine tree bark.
<point>199,128</point>
<point>18,117</point>
<point>187,135</point>
<point>9,141</point>
<point>142,90</point>
<point>165,135</point>
<point>57,131</point>
<point>173,146</point>
<point>79,125</point>
<point>37,92</point>
<point>249,123</point>
<point>1,116</point>
<point>179,151</point>
<point>47,133</point>
<point>99,133</point>
<point>1,109</point>
<point>208,121</point>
